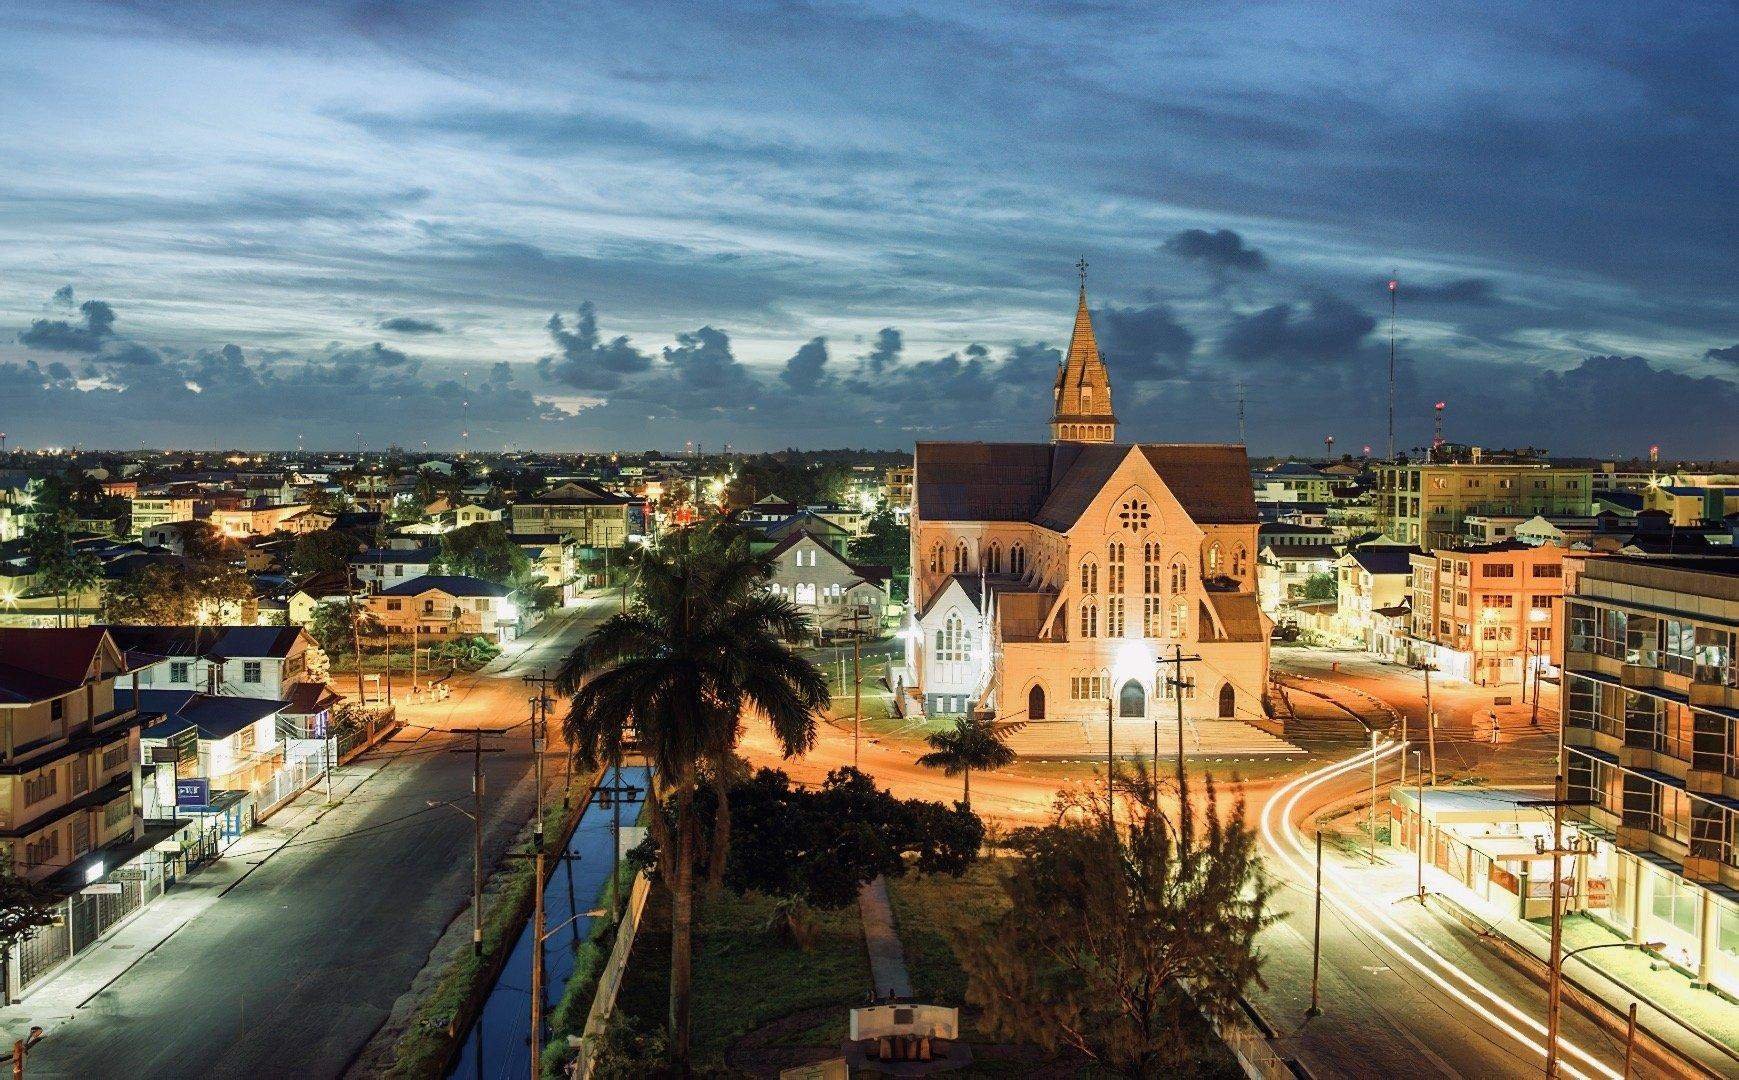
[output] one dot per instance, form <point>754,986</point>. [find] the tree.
<point>1320,587</point>
<point>72,573</point>
<point>170,593</point>
<point>702,643</point>
<point>1118,933</point>
<point>486,551</point>
<point>322,551</point>
<point>25,908</point>
<point>976,741</point>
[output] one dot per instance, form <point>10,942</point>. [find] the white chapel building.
<point>1055,582</point>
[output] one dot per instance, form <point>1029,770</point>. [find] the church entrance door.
<point>1132,701</point>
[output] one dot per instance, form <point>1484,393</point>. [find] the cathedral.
<point>1066,582</point>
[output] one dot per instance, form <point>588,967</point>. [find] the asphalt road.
<point>291,973</point>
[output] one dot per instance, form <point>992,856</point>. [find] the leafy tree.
<point>319,552</point>
<point>885,542</point>
<point>976,741</point>
<point>802,482</point>
<point>1118,932</point>
<point>330,626</point>
<point>201,541</point>
<point>62,571</point>
<point>166,594</point>
<point>25,908</point>
<point>702,644</point>
<point>1321,587</point>
<point>485,550</point>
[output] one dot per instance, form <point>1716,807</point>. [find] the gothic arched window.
<point>1180,575</point>
<point>1239,558</point>
<point>960,566</point>
<point>1114,567</point>
<point>1017,559</point>
<point>1214,559</point>
<point>936,558</point>
<point>1089,620</point>
<point>1089,576</point>
<point>993,559</point>
<point>1179,616</point>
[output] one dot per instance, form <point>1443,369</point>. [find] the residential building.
<point>1651,736</point>
<point>444,605</point>
<point>898,486</point>
<point>838,596</point>
<point>240,740</point>
<point>1427,503</point>
<point>261,520</point>
<point>1284,570</point>
<point>151,509</point>
<point>383,568</point>
<point>1051,581</point>
<point>280,663</point>
<point>594,516</point>
<point>1486,615</point>
<point>1687,505</point>
<point>1292,482</point>
<point>1369,580</point>
<point>312,593</point>
<point>554,557</point>
<point>69,764</point>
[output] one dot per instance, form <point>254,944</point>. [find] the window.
<point>1500,600</point>
<point>960,557</point>
<point>395,605</point>
<point>1169,687</point>
<point>993,559</point>
<point>1150,568</point>
<point>250,671</point>
<point>1134,514</point>
<point>1179,613</point>
<point>1497,570</point>
<point>936,558</point>
<point>953,643</point>
<point>1114,567</point>
<point>1180,576</point>
<point>1089,620</point>
<point>1548,570</point>
<point>1089,687</point>
<point>1213,559</point>
<point>57,709</point>
<point>80,834</point>
<point>1152,616</point>
<point>1541,602</point>
<point>1017,559</point>
<point>1240,558</point>
<point>1114,616</point>
<point>1678,646</point>
<point>40,786</point>
<point>1089,577</point>
<point>1582,621</point>
<point>428,607</point>
<point>178,671</point>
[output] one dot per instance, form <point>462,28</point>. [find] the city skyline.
<point>773,228</point>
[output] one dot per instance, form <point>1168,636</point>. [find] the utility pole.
<point>1430,722</point>
<point>539,732</point>
<point>1394,286</point>
<point>355,631</point>
<point>1629,1041</point>
<point>387,652</point>
<point>1316,936</point>
<point>856,681</point>
<point>1240,414</point>
<point>1178,685</point>
<point>537,954</point>
<point>1373,796</point>
<point>1555,960</point>
<point>1421,825</point>
<point>477,751</point>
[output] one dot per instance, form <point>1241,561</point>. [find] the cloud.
<point>886,351</point>
<point>63,296</point>
<point>405,324</point>
<point>1728,355</point>
<point>375,354</point>
<point>585,360</point>
<point>1329,330</point>
<point>807,367</point>
<point>59,335</point>
<point>1219,251</point>
<point>1142,342</point>
<point>703,360</point>
<point>130,354</point>
<point>1467,290</point>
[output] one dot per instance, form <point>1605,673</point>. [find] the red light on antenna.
<point>1440,406</point>
<point>1393,284</point>
<point>1652,449</point>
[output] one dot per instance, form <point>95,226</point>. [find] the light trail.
<point>1282,838</point>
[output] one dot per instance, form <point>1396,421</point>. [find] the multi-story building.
<point>1427,504</point>
<point>1292,482</point>
<point>1686,504</point>
<point>1651,736</point>
<point>1488,615</point>
<point>262,520</point>
<point>594,516</point>
<point>1369,580</point>
<point>151,509</point>
<point>441,605</point>
<point>280,663</point>
<point>839,596</point>
<point>69,763</point>
<point>899,490</point>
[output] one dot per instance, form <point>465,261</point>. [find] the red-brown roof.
<point>36,664</point>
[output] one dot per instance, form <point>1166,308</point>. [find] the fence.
<point>371,725</point>
<point>610,980</point>
<point>84,918</point>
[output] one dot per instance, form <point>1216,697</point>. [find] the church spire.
<point>1083,389</point>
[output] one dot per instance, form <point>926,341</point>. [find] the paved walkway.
<point>887,958</point>
<point>53,1002</point>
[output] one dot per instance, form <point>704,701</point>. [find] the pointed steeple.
<point>1083,388</point>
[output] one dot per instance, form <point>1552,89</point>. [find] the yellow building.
<point>1428,504</point>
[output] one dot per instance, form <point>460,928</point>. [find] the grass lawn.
<point>746,976</point>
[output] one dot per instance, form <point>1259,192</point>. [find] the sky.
<point>343,223</point>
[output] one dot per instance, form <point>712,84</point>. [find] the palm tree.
<point>702,642</point>
<point>976,741</point>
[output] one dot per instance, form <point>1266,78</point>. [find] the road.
<point>291,973</point>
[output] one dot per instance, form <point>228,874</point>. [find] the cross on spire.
<point>1081,267</point>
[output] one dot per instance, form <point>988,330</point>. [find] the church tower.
<point>1083,390</point>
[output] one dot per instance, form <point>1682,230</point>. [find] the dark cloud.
<point>1142,342</point>
<point>405,324</point>
<point>501,373</point>
<point>807,367</point>
<point>886,351</point>
<point>63,296</point>
<point>374,354</point>
<point>1219,251</point>
<point>1467,290</point>
<point>59,335</point>
<point>130,354</point>
<point>703,361</point>
<point>1728,355</point>
<point>586,361</point>
<point>1328,330</point>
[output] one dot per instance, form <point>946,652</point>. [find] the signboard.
<point>195,791</point>
<point>103,888</point>
<point>165,755</point>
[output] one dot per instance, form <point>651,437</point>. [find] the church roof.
<point>1053,484</point>
<point>1083,369</point>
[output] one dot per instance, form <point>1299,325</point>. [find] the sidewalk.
<point>887,958</point>
<point>1663,1008</point>
<point>56,1000</point>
